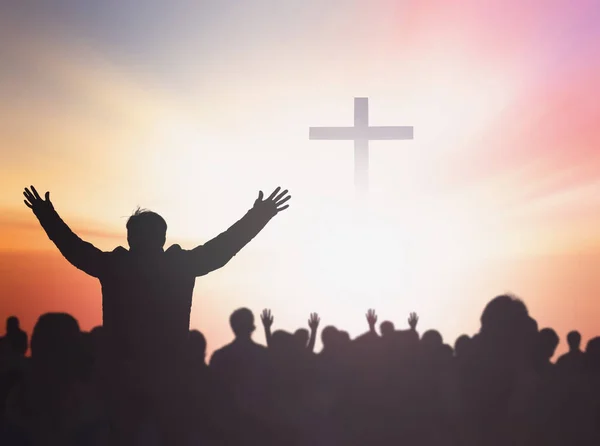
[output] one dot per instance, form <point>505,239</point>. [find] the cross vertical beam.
<point>361,145</point>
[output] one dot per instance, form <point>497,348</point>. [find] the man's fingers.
<point>281,195</point>
<point>27,204</point>
<point>47,196</point>
<point>274,193</point>
<point>283,208</point>
<point>279,202</point>
<point>35,193</point>
<point>260,195</point>
<point>29,197</point>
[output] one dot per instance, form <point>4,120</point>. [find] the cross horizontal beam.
<point>374,133</point>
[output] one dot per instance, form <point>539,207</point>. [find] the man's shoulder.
<point>223,350</point>
<point>219,354</point>
<point>259,347</point>
<point>177,254</point>
<point>235,348</point>
<point>120,250</point>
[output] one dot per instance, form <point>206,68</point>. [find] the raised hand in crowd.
<point>267,320</point>
<point>313,321</point>
<point>313,324</point>
<point>413,320</point>
<point>371,319</point>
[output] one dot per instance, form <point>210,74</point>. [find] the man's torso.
<point>146,302</point>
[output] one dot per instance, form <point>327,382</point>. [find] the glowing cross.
<point>361,134</point>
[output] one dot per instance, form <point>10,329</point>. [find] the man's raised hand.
<point>371,319</point>
<point>313,322</point>
<point>274,203</point>
<point>34,202</point>
<point>267,318</point>
<point>413,320</point>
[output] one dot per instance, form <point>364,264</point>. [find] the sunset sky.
<point>190,107</point>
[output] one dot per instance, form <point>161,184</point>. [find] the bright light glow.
<point>195,126</point>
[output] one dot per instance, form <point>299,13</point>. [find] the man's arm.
<point>313,324</point>
<point>413,320</point>
<point>267,320</point>
<point>371,320</point>
<point>219,251</point>
<point>81,254</point>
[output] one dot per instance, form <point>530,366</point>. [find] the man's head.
<point>330,336</point>
<point>547,342</point>
<point>462,346</point>
<point>56,338</point>
<point>242,323</point>
<point>197,344</point>
<point>387,328</point>
<point>574,340</point>
<point>302,337</point>
<point>432,339</point>
<point>507,327</point>
<point>12,324</point>
<point>146,231</point>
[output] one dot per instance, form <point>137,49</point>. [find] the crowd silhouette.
<point>143,378</point>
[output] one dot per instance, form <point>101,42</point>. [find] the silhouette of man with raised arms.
<point>147,290</point>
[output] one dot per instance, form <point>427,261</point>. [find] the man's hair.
<point>146,227</point>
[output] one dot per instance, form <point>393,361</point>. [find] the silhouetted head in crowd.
<point>507,329</point>
<point>242,323</point>
<point>56,340</point>
<point>547,342</point>
<point>592,356</point>
<point>387,328</point>
<point>574,341</point>
<point>302,337</point>
<point>146,231</point>
<point>197,344</point>
<point>97,338</point>
<point>344,337</point>
<point>97,332</point>
<point>432,339</point>
<point>462,346</point>
<point>283,342</point>
<point>502,311</point>
<point>12,325</point>
<point>330,337</point>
